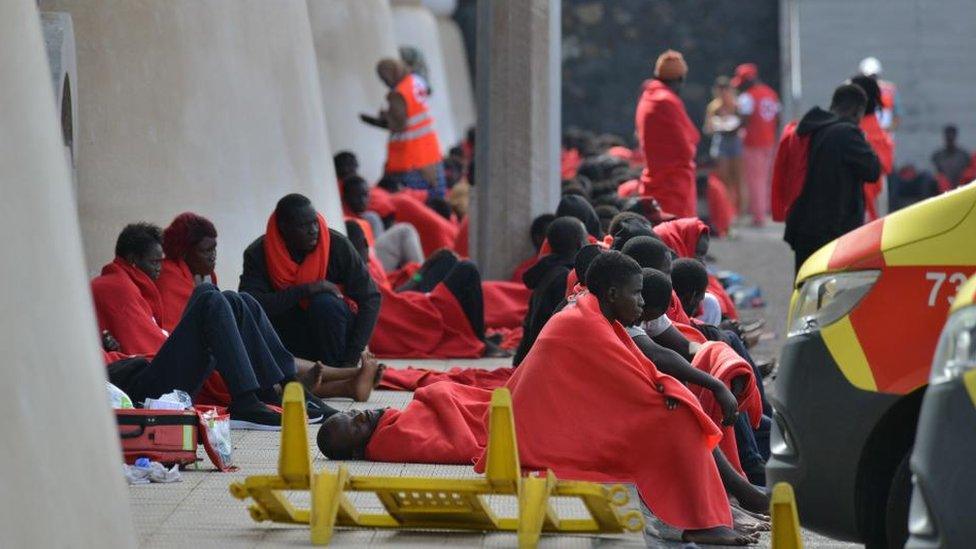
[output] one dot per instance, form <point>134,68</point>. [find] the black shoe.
<point>255,418</point>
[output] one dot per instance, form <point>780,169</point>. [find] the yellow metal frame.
<point>426,503</point>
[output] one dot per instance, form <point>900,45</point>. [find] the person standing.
<point>950,161</point>
<point>839,161</point>
<point>413,156</point>
<point>668,138</point>
<point>722,123</point>
<point>759,108</point>
<point>890,113</point>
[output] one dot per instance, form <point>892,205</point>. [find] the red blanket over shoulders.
<point>128,305</point>
<point>720,207</point>
<point>668,139</point>
<point>884,147</point>
<point>590,406</point>
<point>444,423</point>
<point>722,362</point>
<point>435,231</point>
<point>682,235</point>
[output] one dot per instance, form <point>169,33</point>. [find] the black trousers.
<point>227,332</point>
<point>461,277</point>
<point>804,247</point>
<point>320,332</point>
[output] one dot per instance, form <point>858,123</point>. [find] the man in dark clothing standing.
<point>304,275</point>
<point>547,279</point>
<point>839,162</point>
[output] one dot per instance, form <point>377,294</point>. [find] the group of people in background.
<point>629,354</point>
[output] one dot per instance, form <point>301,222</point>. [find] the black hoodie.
<point>547,280</point>
<point>839,162</point>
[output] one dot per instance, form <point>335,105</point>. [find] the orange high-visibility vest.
<point>417,145</point>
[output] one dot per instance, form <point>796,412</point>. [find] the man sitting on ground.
<point>216,332</point>
<point>395,246</point>
<point>547,279</point>
<point>302,273</point>
<point>190,248</point>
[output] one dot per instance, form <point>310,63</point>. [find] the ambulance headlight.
<point>956,352</point>
<point>825,299</point>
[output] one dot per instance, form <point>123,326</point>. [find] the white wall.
<point>212,106</point>
<point>415,25</point>
<point>60,467</point>
<point>350,37</point>
<point>456,64</point>
<point>925,48</point>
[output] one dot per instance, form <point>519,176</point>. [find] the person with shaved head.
<point>413,155</point>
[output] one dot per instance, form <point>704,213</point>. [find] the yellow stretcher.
<point>430,503</point>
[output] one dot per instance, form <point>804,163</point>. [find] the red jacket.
<point>789,170</point>
<point>760,123</point>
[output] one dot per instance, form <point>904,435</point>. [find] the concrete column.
<point>60,469</point>
<point>350,37</point>
<point>59,41</point>
<point>517,145</point>
<point>456,64</point>
<point>212,106</point>
<point>415,25</point>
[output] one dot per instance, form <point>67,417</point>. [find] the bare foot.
<point>720,535</point>
<point>745,523</point>
<point>358,388</point>
<point>379,375</point>
<point>310,374</point>
<point>753,498</point>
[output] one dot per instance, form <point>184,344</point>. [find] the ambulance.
<point>865,318</point>
<point>943,477</point>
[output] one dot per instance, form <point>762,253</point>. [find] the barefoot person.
<point>312,284</point>
<point>215,332</point>
<point>583,371</point>
<point>190,249</point>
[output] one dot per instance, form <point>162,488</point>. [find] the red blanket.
<point>506,303</point>
<point>590,406</point>
<point>722,362</point>
<point>669,140</point>
<point>419,325</point>
<point>720,207</point>
<point>411,379</point>
<point>444,423</point>
<point>682,236</point>
<point>176,285</point>
<point>127,304</point>
<point>435,231</point>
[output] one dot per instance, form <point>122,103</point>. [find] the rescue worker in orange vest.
<point>413,155</point>
<point>668,138</point>
<point>758,105</point>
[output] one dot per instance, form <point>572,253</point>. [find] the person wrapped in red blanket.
<point>190,248</point>
<point>438,313</point>
<point>583,372</point>
<point>215,332</point>
<point>690,238</point>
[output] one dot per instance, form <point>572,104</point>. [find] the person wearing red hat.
<point>759,108</point>
<point>668,138</point>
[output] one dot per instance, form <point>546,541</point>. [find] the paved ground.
<point>200,512</point>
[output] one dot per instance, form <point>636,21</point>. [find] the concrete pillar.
<point>60,469</point>
<point>456,64</point>
<point>415,25</point>
<point>350,37</point>
<point>212,106</point>
<point>59,41</point>
<point>517,146</point>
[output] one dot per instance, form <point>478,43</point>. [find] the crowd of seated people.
<point>626,352</point>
